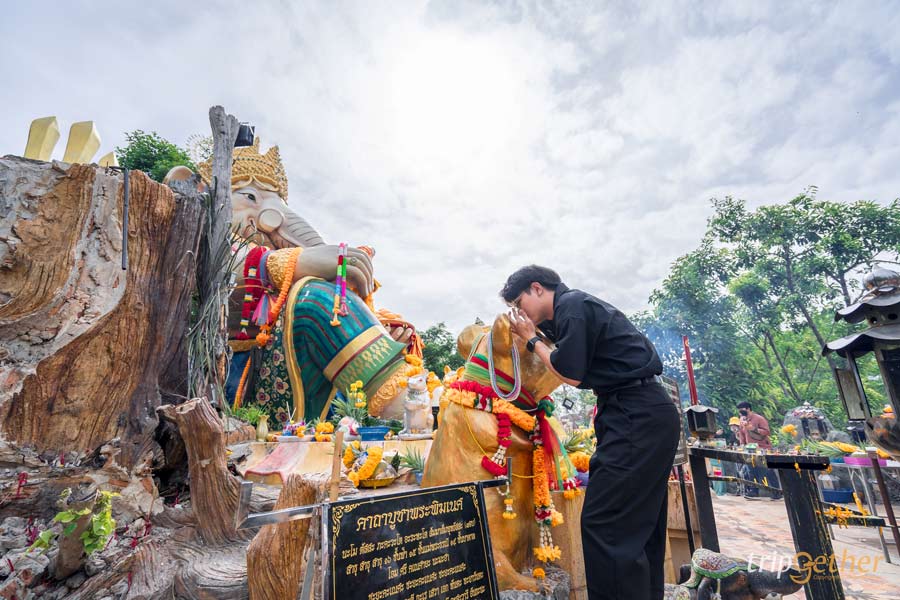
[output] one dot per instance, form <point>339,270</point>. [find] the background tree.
<point>152,154</point>
<point>440,349</point>
<point>757,300</point>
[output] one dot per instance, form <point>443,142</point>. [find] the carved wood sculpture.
<point>214,491</point>
<point>275,558</point>
<point>87,347</point>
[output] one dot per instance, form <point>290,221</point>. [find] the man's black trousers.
<point>623,523</point>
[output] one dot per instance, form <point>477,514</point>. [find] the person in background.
<point>731,434</point>
<point>754,429</point>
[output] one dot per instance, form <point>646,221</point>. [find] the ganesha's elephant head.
<point>712,575</point>
<point>259,192</point>
<point>260,215</point>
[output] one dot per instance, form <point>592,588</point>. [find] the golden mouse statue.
<point>478,430</point>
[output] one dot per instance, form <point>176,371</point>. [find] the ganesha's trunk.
<point>295,231</point>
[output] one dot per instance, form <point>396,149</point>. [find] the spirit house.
<point>879,307</point>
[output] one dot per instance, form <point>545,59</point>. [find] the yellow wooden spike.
<point>42,137</point>
<point>84,141</point>
<point>108,160</point>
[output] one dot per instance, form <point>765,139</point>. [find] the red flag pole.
<point>692,383</point>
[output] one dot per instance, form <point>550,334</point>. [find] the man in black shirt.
<point>623,522</point>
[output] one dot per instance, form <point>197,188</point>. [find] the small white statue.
<point>417,417</point>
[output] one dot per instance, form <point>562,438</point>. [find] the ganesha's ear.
<point>447,370</point>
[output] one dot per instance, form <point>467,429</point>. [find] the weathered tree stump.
<point>214,491</point>
<point>71,549</point>
<point>85,344</point>
<point>275,557</point>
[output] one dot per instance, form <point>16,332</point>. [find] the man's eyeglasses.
<point>515,303</point>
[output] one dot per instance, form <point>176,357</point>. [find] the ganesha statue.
<point>301,322</point>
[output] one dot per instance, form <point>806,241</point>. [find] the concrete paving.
<point>758,530</point>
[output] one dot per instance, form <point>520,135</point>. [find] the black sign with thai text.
<point>428,543</point>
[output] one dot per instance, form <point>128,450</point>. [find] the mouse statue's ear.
<point>502,335</point>
<point>469,336</point>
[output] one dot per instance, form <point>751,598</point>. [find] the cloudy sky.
<point>464,140</point>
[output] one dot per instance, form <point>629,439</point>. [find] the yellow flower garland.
<point>367,469</point>
<point>790,428</point>
<point>323,431</point>
<point>350,453</point>
<point>581,460</point>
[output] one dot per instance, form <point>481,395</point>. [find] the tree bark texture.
<point>799,302</point>
<point>71,549</point>
<point>765,352</point>
<point>85,344</point>
<point>214,491</point>
<point>275,557</point>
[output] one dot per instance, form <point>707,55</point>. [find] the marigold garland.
<point>472,394</point>
<point>324,431</point>
<point>545,513</point>
<point>367,469</point>
<point>357,395</point>
<point>352,451</point>
<point>239,394</point>
<point>508,512</point>
<point>262,338</point>
<point>581,460</point>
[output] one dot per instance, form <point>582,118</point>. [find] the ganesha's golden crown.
<point>249,164</point>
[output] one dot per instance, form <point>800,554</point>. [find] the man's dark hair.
<point>746,405</point>
<point>522,279</point>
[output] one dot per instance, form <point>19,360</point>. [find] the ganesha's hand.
<point>401,334</point>
<point>321,261</point>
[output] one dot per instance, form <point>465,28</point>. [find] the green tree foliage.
<point>757,301</point>
<point>440,349</point>
<point>152,154</point>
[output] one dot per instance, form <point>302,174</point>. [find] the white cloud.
<point>464,140</point>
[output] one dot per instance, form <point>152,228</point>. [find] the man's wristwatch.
<point>530,345</point>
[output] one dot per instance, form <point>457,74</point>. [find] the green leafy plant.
<point>814,447</point>
<point>102,524</point>
<point>413,460</point>
<point>248,414</point>
<point>580,441</point>
<point>347,408</point>
<point>95,536</point>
